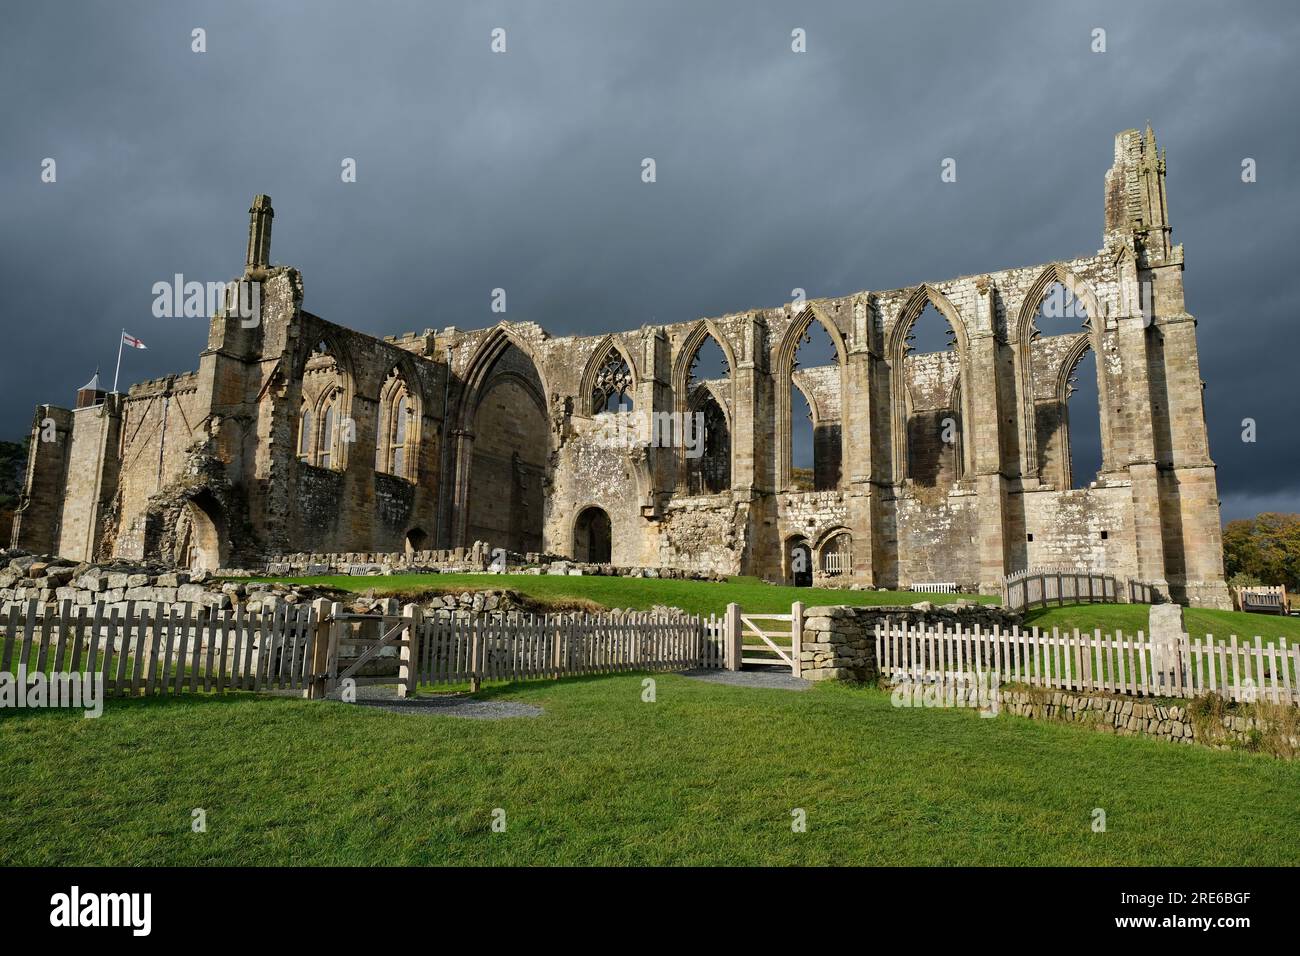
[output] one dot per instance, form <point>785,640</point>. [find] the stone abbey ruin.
<point>297,434</point>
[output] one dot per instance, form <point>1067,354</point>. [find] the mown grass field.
<point>707,774</point>
<point>1131,618</point>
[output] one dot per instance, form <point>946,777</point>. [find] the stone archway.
<point>505,453</point>
<point>799,562</point>
<point>415,540</point>
<point>593,539</point>
<point>201,539</point>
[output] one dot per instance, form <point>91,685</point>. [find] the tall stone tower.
<point>260,215</point>
<point>1162,421</point>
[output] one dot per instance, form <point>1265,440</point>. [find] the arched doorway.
<point>837,554</point>
<point>799,562</point>
<point>593,540</point>
<point>199,537</point>
<point>415,539</point>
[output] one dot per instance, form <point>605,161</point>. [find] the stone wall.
<point>839,643</point>
<point>478,559</point>
<point>1174,721</point>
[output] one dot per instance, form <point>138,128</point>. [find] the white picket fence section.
<point>836,563</point>
<point>935,587</point>
<point>1035,587</point>
<point>1133,665</point>
<point>162,651</point>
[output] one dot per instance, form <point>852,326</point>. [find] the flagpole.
<point>120,339</point>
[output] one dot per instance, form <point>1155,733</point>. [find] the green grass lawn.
<point>706,775</point>
<point>1131,618</point>
<point>695,597</point>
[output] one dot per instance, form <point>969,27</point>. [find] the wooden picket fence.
<point>524,646</point>
<point>1024,590</point>
<point>162,650</point>
<point>312,648</point>
<point>1119,664</point>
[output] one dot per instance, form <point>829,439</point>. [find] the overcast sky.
<point>522,170</point>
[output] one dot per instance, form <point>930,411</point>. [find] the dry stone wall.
<point>839,642</point>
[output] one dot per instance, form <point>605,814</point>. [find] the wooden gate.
<point>387,630</point>
<point>768,644</point>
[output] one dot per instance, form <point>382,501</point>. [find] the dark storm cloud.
<point>521,171</point>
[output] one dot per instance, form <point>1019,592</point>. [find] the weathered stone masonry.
<point>296,434</point>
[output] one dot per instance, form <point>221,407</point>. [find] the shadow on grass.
<point>142,704</point>
<point>505,688</point>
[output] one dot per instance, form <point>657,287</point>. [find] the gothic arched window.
<point>305,435</point>
<point>325,437</point>
<point>613,382</point>
<point>395,449</point>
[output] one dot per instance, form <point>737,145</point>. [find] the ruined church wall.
<point>919,507</point>
<point>1067,527</point>
<point>91,471</point>
<point>705,533</point>
<point>594,470</point>
<point>161,425</point>
<point>937,542</point>
<point>36,524</point>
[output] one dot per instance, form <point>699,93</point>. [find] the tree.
<point>1266,547</point>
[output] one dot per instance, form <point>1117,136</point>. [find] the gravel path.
<point>454,707</point>
<point>384,697</point>
<point>772,677</point>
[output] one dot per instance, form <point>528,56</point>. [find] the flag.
<point>132,341</point>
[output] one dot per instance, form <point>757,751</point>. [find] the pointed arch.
<point>328,450</point>
<point>1024,334</point>
<point>684,400</point>
<point>900,398</point>
<point>326,385</point>
<point>923,295</point>
<point>783,363</point>
<point>201,533</point>
<point>1033,300</point>
<point>397,432</point>
<point>479,369</point>
<point>710,471</point>
<point>608,347</point>
<point>501,474</point>
<point>1069,366</point>
<point>686,355</point>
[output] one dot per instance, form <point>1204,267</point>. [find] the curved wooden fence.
<point>1025,590</point>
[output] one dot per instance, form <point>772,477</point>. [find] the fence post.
<point>554,624</point>
<point>1169,646</point>
<point>796,637</point>
<point>475,657</point>
<point>409,652</point>
<point>733,638</point>
<point>320,648</point>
